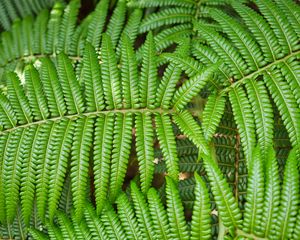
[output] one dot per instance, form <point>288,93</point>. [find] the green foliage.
<point>197,98</point>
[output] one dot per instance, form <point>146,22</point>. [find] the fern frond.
<point>142,212</point>
<point>244,119</point>
<point>148,78</point>
<point>116,22</point>
<point>212,114</point>
<point>52,88</point>
<point>97,23</point>
<point>191,88</point>
<point>18,100</point>
<point>167,86</point>
<point>82,144</point>
<point>272,194</point>
<point>67,27</point>
<point>129,74</point>
<point>158,215</point>
<point>167,143</point>
<point>12,169</point>
<point>175,211</point>
<point>285,102</point>
<point>95,225</point>
<point>70,85</point>
<point>167,16</point>
<point>263,114</point>
<point>35,93</point>
<point>8,117</point>
<point>120,153</point>
<point>128,220</point>
<point>191,129</point>
<point>227,206</point>
<point>255,195</point>
<point>61,149</point>
<point>110,74</point>
<point>285,35</point>
<point>144,149</point>
<point>289,200</point>
<point>102,151</point>
<point>91,77</point>
<point>200,225</point>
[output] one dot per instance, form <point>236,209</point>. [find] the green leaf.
<point>175,212</point>
<point>167,144</point>
<point>201,219</point>
<point>144,149</point>
<point>80,156</point>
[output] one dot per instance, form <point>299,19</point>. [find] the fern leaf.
<point>8,116</point>
<point>244,119</point>
<point>35,93</point>
<point>129,74</point>
<point>43,167</point>
<point>292,12</point>
<point>167,16</point>
<point>201,220</point>
<point>39,34</point>
<point>208,56</point>
<point>272,194</point>
<point>175,212</point>
<point>255,195</point>
<point>110,74</point>
<point>160,3</point>
<point>212,114</point>
<point>95,225</point>
<point>144,149</point>
<point>52,88</point>
<point>167,143</point>
<point>128,220</point>
<point>116,22</point>
<point>12,169</point>
<point>158,215</point>
<point>285,35</point>
<point>37,235</point>
<point>167,86</point>
<point>148,79</point>
<point>285,102</point>
<point>289,202</point>
<point>263,114</point>
<point>262,32</point>
<point>243,41</point>
<point>131,28</point>
<point>142,212</point>
<point>18,99</point>
<point>189,127</point>
<point>103,142</point>
<point>70,86</point>
<point>91,77</point>
<point>226,52</point>
<point>191,88</point>
<point>112,224</point>
<point>30,155</point>
<point>54,27</point>
<point>66,226</point>
<point>3,147</point>
<point>96,25</point>
<point>67,27</point>
<point>82,144</point>
<point>120,153</point>
<point>290,69</point>
<point>61,149</point>
<point>227,206</point>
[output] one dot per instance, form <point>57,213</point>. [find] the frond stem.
<point>259,71</point>
<point>90,114</point>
